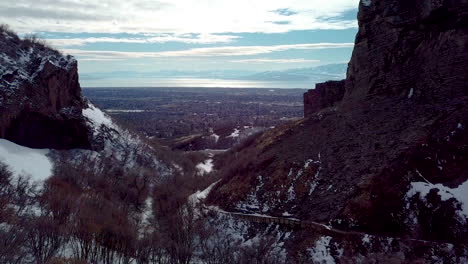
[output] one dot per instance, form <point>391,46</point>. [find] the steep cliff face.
<point>409,49</point>
<point>324,95</point>
<point>40,96</point>
<point>404,49</point>
<point>390,157</point>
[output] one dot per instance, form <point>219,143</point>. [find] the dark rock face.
<point>410,47</point>
<point>324,95</point>
<point>36,130</point>
<point>401,124</point>
<point>40,96</point>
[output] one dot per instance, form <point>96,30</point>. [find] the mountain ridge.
<point>312,74</point>
<point>358,160</point>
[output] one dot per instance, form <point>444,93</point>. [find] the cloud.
<point>285,12</point>
<point>102,59</point>
<point>206,52</point>
<point>161,38</point>
<point>176,16</point>
<point>281,22</point>
<point>276,61</point>
<point>40,13</point>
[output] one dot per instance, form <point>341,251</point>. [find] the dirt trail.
<point>314,226</point>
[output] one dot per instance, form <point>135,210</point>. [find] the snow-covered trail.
<point>323,229</point>
<point>313,226</point>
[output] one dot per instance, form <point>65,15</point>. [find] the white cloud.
<point>101,59</point>
<point>276,61</point>
<point>175,16</point>
<point>162,38</point>
<point>206,52</point>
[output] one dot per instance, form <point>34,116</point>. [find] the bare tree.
<point>217,246</point>
<point>13,201</point>
<point>45,238</point>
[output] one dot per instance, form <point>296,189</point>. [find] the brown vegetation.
<point>92,211</point>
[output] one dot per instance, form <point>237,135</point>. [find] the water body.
<point>195,82</point>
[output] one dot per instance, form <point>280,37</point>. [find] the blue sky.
<point>146,36</point>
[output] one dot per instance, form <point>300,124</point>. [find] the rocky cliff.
<point>324,95</point>
<point>40,96</point>
<point>389,158</point>
<point>41,106</point>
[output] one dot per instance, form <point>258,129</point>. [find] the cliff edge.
<point>40,96</point>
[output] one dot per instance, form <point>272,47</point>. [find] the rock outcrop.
<point>324,95</point>
<point>410,49</point>
<point>389,158</point>
<point>40,96</point>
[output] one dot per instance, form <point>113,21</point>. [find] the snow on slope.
<point>103,127</point>
<point>235,133</point>
<point>124,145</point>
<point>205,167</point>
<point>25,161</point>
<point>96,116</point>
<point>460,193</point>
<point>366,2</point>
<point>321,252</point>
<point>201,195</point>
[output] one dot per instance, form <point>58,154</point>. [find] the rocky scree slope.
<point>389,157</point>
<point>40,96</point>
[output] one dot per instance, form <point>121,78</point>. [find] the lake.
<point>194,82</point>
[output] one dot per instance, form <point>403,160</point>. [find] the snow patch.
<point>307,163</point>
<point>216,137</point>
<point>291,193</point>
<point>411,92</point>
<point>201,195</point>
<point>251,202</point>
<point>205,167</point>
<point>459,193</point>
<point>26,161</point>
<point>235,133</point>
<point>124,111</point>
<point>366,2</point>
<point>260,183</point>
<point>366,239</point>
<point>313,185</point>
<point>97,117</point>
<point>321,252</point>
<point>148,212</point>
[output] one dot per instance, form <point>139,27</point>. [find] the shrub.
<point>4,28</point>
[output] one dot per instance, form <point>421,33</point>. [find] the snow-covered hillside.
<point>458,195</point>
<point>124,145</point>
<point>23,161</point>
<point>37,164</point>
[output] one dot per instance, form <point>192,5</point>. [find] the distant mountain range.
<point>312,74</point>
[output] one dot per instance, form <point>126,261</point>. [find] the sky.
<point>137,42</point>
